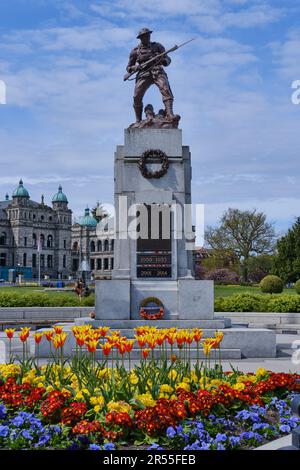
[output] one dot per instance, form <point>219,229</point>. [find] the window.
<point>93,247</point>
<point>105,263</point>
<point>42,240</point>
<point>24,259</point>
<point>33,216</point>
<point>106,246</point>
<point>99,264</point>
<point>25,241</point>
<point>3,238</point>
<point>65,244</point>
<point>99,245</point>
<point>2,259</point>
<point>42,217</point>
<point>34,239</point>
<point>50,261</point>
<point>25,215</point>
<point>112,245</point>
<point>50,218</point>
<point>49,241</point>
<point>92,264</point>
<point>34,260</point>
<point>64,261</point>
<point>75,246</point>
<point>112,263</point>
<point>75,264</point>
<point>42,261</point>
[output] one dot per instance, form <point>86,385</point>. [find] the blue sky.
<point>67,105</point>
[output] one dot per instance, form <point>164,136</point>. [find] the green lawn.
<point>28,290</point>
<point>225,291</point>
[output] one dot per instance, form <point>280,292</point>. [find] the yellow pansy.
<point>261,372</point>
<point>183,385</point>
<point>146,399</point>
<point>9,370</point>
<point>239,387</point>
<point>165,388</point>
<point>119,406</point>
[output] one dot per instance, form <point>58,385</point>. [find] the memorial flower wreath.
<point>148,315</point>
<point>157,155</point>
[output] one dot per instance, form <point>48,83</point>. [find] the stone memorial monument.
<point>152,281</point>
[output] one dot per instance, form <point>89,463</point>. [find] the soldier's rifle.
<point>146,66</point>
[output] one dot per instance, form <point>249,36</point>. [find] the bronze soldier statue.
<point>145,51</point>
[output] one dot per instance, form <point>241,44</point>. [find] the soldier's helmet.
<point>143,31</point>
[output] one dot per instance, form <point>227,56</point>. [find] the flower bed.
<point>81,403</point>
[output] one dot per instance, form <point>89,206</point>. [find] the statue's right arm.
<point>132,61</point>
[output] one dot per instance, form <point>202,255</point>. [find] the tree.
<point>287,259</point>
<point>244,234</point>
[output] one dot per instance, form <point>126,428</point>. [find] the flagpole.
<point>39,268</point>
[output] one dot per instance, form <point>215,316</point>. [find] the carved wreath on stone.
<point>156,155</point>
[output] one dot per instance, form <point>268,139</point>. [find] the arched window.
<point>75,246</point>
<point>106,246</point>
<point>99,245</point>
<point>3,238</point>
<point>93,247</point>
<point>49,241</point>
<point>42,240</point>
<point>34,239</point>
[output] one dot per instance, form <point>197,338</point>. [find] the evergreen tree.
<point>287,260</point>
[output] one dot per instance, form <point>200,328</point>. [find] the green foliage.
<point>244,234</point>
<point>12,299</point>
<point>287,262</point>
<point>258,303</point>
<point>271,285</point>
<point>297,286</point>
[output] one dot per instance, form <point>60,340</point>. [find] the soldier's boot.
<point>138,112</point>
<point>169,108</point>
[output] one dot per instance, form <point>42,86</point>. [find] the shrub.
<point>271,285</point>
<point>223,276</point>
<point>8,299</point>
<point>258,303</point>
<point>297,286</point>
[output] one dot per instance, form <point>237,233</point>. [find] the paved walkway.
<point>284,362</point>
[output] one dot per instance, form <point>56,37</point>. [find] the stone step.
<point>130,324</point>
<point>130,333</point>
<point>136,354</point>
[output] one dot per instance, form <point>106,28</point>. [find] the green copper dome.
<point>20,191</point>
<point>87,220</point>
<point>60,196</point>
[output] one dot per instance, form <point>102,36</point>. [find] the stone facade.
<point>26,224</point>
<point>94,244</point>
<point>29,229</point>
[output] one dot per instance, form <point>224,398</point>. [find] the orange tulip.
<point>38,337</point>
<point>171,338</point>
<point>10,332</point>
<point>24,334</point>
<point>103,330</point>
<point>80,340</point>
<point>121,348</point>
<point>59,340</point>
<point>58,329</point>
<point>106,348</point>
<point>207,345</point>
<point>145,353</point>
<point>129,345</point>
<point>49,335</point>
<point>141,341</point>
<point>197,334</point>
<point>92,345</point>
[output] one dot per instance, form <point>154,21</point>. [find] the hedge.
<point>8,299</point>
<point>258,303</point>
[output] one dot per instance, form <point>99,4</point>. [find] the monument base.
<point>183,299</point>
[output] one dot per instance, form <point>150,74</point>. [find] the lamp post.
<point>85,268</point>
